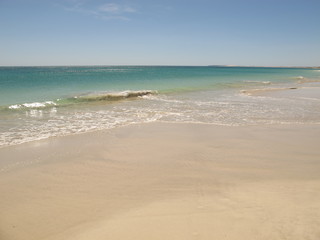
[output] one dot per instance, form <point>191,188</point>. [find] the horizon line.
<point>159,65</point>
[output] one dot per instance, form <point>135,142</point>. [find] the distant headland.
<point>247,66</point>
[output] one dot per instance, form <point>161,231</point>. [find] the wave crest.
<point>92,97</point>
<point>33,105</point>
<point>113,96</point>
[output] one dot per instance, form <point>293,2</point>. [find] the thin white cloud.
<point>108,11</point>
<point>114,8</point>
<point>110,8</point>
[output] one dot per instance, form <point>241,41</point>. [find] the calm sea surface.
<point>41,102</point>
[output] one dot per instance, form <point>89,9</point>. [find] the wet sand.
<point>308,90</point>
<point>164,181</point>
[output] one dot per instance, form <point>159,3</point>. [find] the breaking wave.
<point>33,105</point>
<point>114,96</point>
<point>91,97</point>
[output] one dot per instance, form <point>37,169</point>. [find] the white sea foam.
<point>33,105</point>
<point>263,82</point>
<point>161,98</point>
<point>101,96</point>
<point>14,106</point>
<point>206,107</point>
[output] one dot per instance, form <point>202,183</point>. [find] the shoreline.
<point>164,180</point>
<point>304,93</point>
<point>157,122</point>
<point>223,103</point>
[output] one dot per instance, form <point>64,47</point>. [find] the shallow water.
<point>41,102</point>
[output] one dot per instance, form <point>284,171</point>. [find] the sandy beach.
<point>164,181</point>
<point>159,120</point>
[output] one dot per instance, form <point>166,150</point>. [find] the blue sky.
<point>175,32</point>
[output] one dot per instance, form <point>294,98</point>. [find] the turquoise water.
<point>41,102</point>
<point>33,84</point>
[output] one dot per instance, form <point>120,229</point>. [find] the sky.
<point>166,32</point>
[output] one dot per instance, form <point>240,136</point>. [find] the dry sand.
<point>164,181</point>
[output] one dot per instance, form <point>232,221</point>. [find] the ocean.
<point>43,102</point>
